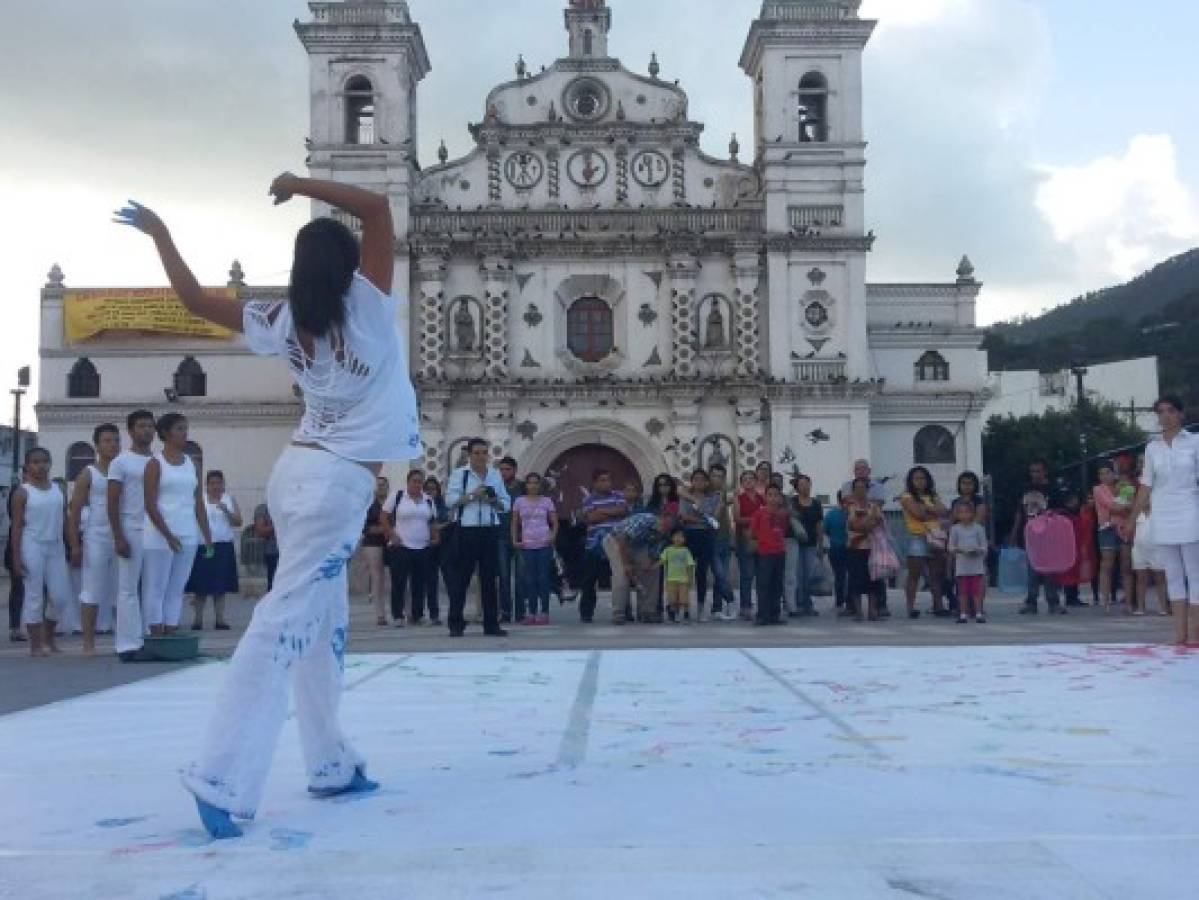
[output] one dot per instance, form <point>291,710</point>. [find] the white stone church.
<point>587,287</point>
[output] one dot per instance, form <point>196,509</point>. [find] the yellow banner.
<point>156,310</point>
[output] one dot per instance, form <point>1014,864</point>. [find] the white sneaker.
<point>728,614</point>
<point>703,616</point>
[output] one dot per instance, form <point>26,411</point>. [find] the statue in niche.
<point>464,329</point>
<point>714,337</point>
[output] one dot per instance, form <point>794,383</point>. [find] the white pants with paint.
<point>298,634</point>
<point>164,576</point>
<point>1181,565</point>
<point>130,629</point>
<point>46,574</point>
<point>100,579</point>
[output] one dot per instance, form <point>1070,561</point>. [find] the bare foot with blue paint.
<point>359,784</point>
<point>217,822</point>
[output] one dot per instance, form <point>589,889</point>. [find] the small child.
<point>680,572</point>
<point>968,545</point>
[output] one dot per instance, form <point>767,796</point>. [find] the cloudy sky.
<point>1055,141</point>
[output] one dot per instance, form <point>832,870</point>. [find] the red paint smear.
<point>142,848</point>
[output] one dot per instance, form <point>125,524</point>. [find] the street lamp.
<point>1079,372</point>
<point>17,393</point>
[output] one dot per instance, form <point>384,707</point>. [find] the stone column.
<point>432,270</point>
<point>496,270</point>
<point>434,414</point>
<point>622,173</point>
<point>682,270</point>
<point>684,421</point>
<point>747,278</point>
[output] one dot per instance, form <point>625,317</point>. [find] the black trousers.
<point>595,566</point>
<point>16,598</point>
<point>272,563</point>
<point>418,567</point>
<point>768,574</point>
<point>478,548</point>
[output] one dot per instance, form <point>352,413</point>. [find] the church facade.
<point>587,287</point>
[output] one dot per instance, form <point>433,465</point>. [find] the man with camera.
<point>478,501</point>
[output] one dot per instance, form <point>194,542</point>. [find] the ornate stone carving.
<point>497,279</point>
<point>655,427</point>
<point>533,316</point>
<point>527,429</point>
<point>528,362</point>
<point>54,279</point>
<point>622,174</point>
<point>431,275</point>
<point>553,160</point>
<point>647,315</point>
<point>237,277</point>
<point>680,174</point>
<point>683,271</point>
<point>493,175</point>
<point>655,359</point>
<point>747,276</point>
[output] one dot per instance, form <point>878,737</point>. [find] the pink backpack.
<point>1049,540</point>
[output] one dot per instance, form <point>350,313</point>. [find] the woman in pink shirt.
<point>534,530</point>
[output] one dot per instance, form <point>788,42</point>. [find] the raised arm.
<point>210,305</point>
<point>373,210</point>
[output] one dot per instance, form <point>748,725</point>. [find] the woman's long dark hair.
<point>655,499</point>
<point>326,258</point>
<point>974,481</point>
<point>910,484</point>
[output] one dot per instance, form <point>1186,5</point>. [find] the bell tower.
<point>588,22</point>
<point>366,59</point>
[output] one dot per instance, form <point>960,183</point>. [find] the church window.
<point>934,446</point>
<point>360,111</point>
<point>83,381</point>
<point>813,109</point>
<point>190,380</point>
<point>588,42</point>
<point>79,457</point>
<point>590,329</point>
<point>932,366</point>
<point>816,315</point>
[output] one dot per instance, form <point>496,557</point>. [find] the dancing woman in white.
<point>39,552</point>
<point>337,333</point>
<point>176,520</point>
<point>92,546</point>
<point>1171,481</point>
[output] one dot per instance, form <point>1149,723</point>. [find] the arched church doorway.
<point>568,484</point>
<point>569,475</point>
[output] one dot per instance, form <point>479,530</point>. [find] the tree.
<point>1009,444</point>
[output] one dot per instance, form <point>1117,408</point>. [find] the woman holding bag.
<point>923,514</point>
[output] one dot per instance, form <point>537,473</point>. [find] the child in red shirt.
<point>768,531</point>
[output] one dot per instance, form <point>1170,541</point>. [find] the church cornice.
<point>197,411</point>
<point>649,392</point>
<point>804,30</point>
<point>563,223</point>
<point>924,407</point>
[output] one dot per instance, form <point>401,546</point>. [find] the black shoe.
<point>197,626</point>
<point>222,626</point>
<point>941,613</point>
<point>884,613</point>
<point>1028,609</point>
<point>1076,603</point>
<point>760,623</point>
<point>456,633</point>
<point>914,614</point>
<point>495,632</point>
<point>505,619</point>
<point>1057,610</point>
<point>586,620</point>
<point>136,656</point>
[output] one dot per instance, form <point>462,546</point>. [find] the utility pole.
<point>1079,372</point>
<point>17,393</point>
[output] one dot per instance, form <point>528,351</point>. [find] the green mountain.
<point>1155,314</point>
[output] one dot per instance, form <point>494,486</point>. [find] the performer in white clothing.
<point>39,552</point>
<point>90,536</point>
<point>337,334</point>
<point>176,521</point>
<point>127,519</point>
<point>1170,481</point>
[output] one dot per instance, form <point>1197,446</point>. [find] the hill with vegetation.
<point>1155,314</point>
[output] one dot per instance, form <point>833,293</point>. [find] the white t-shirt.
<point>176,504</point>
<point>218,522</point>
<point>93,518</point>
<point>412,519</point>
<point>43,514</point>
<point>359,402</point>
<point>129,469</point>
<point>1172,472</point>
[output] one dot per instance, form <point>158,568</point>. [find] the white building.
<point>587,287</point>
<point>1131,385</point>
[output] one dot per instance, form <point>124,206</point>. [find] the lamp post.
<point>1080,372</point>
<point>17,393</point>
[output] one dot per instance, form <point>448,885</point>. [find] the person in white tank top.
<point>176,522</point>
<point>92,547</point>
<point>337,334</point>
<point>126,519</point>
<point>39,553</point>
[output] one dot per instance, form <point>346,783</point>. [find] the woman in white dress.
<point>337,333</point>
<point>93,548</point>
<point>39,551</point>
<point>1170,482</point>
<point>176,521</point>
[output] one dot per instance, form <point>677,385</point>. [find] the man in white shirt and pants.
<point>477,498</point>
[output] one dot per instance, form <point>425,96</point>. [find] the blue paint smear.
<point>502,752</point>
<point>191,892</point>
<point>119,823</point>
<point>287,839</point>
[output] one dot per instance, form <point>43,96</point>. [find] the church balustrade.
<point>553,221</point>
<point>820,371</point>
